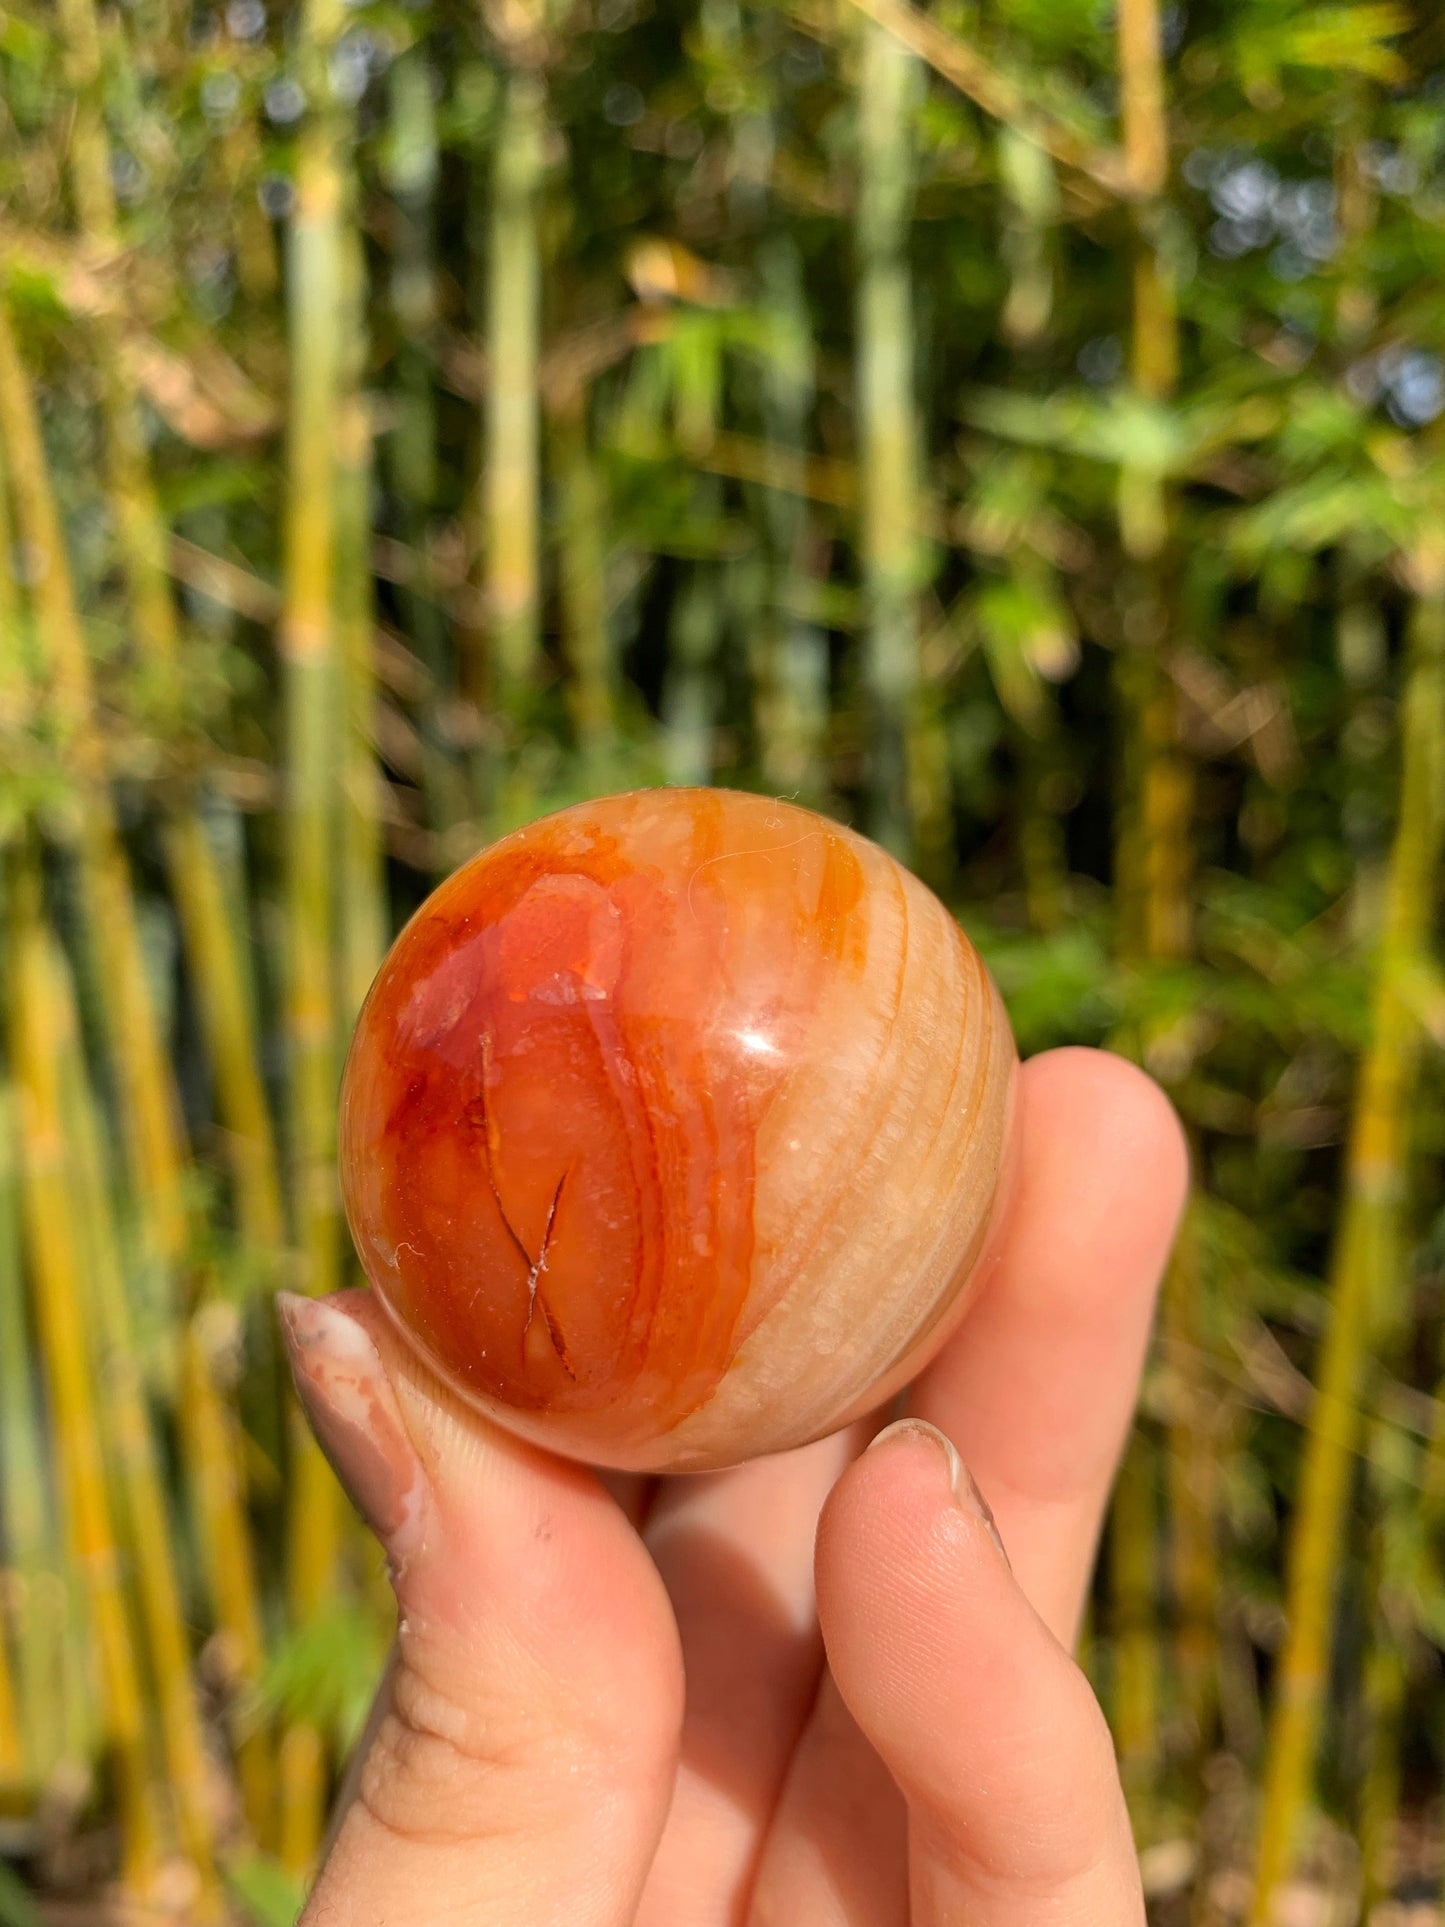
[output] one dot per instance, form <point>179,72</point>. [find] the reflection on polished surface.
<point>672,1126</point>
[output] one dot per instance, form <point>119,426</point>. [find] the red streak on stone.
<point>552,1101</point>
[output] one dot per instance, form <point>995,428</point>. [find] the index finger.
<point>1038,1388</point>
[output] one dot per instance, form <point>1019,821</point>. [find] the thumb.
<point>1016,1816</point>
<point>522,1761</point>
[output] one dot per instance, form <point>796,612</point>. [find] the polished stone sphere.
<point>673,1126</point>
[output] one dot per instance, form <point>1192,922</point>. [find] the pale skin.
<point>807,1691</point>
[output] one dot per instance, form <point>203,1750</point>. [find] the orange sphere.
<point>673,1126</point>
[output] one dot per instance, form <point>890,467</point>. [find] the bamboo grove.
<point>1019,431</point>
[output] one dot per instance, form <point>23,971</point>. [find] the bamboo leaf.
<point>17,1909</point>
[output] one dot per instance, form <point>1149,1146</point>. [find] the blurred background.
<point>1017,430</point>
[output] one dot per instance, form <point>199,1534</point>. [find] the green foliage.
<point>270,1896</point>
<point>1112,582</point>
<point>17,1909</point>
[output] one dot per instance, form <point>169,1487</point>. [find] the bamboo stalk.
<point>1364,1271</point>
<point>888,434</point>
<point>690,689</point>
<point>310,679</point>
<point>790,670</point>
<point>411,165</point>
<point>1153,861</point>
<point>29,1542</point>
<point>212,943</point>
<point>1031,192</point>
<point>60,1310</point>
<point>124,1424</point>
<point>1385,1695</point>
<point>363,929</point>
<point>1192,1459</point>
<point>1362,654</point>
<point>1133,1536</point>
<point>19,1459</point>
<point>152,1125</point>
<point>219,980</point>
<point>33,1560</point>
<point>511,476</point>
<point>955,61</point>
<point>149,1105</point>
<point>215,1470</point>
<point>582,580</point>
<point>145,1074</point>
<point>17,1769</point>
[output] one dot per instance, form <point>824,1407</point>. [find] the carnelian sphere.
<point>673,1125</point>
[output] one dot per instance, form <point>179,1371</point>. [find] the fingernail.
<point>965,1486</point>
<point>347,1396</point>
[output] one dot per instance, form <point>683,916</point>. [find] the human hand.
<point>886,1731</point>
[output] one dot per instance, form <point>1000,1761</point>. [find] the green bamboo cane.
<point>1193,1459</point>
<point>1364,1275</point>
<point>29,1740</point>
<point>511,472</point>
<point>690,688</point>
<point>1030,188</point>
<point>888,430</point>
<point>1154,863</point>
<point>219,977</point>
<point>60,1314</point>
<point>146,1078</point>
<point>587,640</point>
<point>311,696</point>
<point>411,165</point>
<point>736,600</point>
<point>208,1425</point>
<point>152,1125</point>
<point>125,1425</point>
<point>31,1559</point>
<point>1362,655</point>
<point>1386,1683</point>
<point>790,670</point>
<point>363,924</point>
<point>213,942</point>
<point>215,1473</point>
<point>19,1483</point>
<point>148,1099</point>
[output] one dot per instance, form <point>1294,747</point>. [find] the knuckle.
<point>462,1756</point>
<point>443,1768</point>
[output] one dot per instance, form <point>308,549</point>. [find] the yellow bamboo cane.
<point>59,1301</point>
<point>213,944</point>
<point>14,706</point>
<point>15,1764</point>
<point>212,941</point>
<point>1364,1271</point>
<point>311,685</point>
<point>125,1426</point>
<point>1144,701</point>
<point>363,931</point>
<point>888,432</point>
<point>511,499</point>
<point>151,1122</point>
<point>581,567</point>
<point>150,1107</point>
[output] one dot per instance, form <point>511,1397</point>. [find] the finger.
<point>837,1852</point>
<point>1015,1813</point>
<point>520,1770</point>
<point>735,1551</point>
<point>1038,1388</point>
